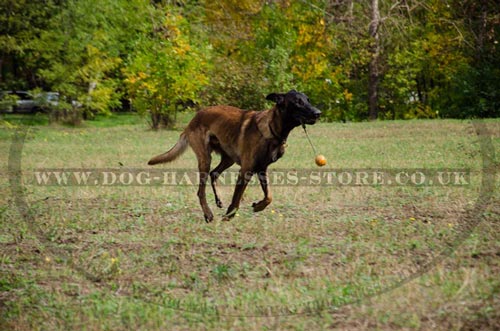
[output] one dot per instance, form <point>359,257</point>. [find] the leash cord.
<point>309,139</point>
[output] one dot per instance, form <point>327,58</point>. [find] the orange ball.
<point>320,160</point>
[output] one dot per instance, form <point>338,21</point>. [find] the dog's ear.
<point>276,97</point>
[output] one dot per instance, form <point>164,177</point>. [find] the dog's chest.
<point>277,151</point>
<point>270,153</point>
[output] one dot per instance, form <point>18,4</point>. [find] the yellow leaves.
<point>233,8</point>
<point>313,35</point>
<point>92,51</point>
<point>310,35</point>
<point>312,44</point>
<point>181,48</point>
<point>250,6</point>
<point>171,24</point>
<point>150,87</point>
<point>304,36</point>
<point>186,47</point>
<point>175,31</point>
<point>138,78</point>
<point>99,59</point>
<point>439,49</point>
<point>167,68</point>
<point>98,64</point>
<point>347,95</point>
<point>310,65</point>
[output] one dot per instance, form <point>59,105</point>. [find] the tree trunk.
<point>374,74</point>
<point>160,120</point>
<point>155,120</point>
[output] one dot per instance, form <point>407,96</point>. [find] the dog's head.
<point>296,105</point>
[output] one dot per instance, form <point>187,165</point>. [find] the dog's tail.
<point>176,151</point>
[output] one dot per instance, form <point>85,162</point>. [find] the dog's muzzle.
<point>313,116</point>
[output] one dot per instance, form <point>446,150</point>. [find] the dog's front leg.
<point>243,179</point>
<point>262,204</point>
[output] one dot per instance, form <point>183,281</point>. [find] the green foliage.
<point>165,70</point>
<point>437,59</point>
<point>80,52</point>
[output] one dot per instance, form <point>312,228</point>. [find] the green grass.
<point>142,258</point>
<point>115,119</point>
<point>100,121</point>
<point>38,119</point>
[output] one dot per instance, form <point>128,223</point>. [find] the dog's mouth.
<point>310,121</point>
<point>312,117</point>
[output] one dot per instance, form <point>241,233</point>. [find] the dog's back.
<point>221,126</point>
<point>219,120</point>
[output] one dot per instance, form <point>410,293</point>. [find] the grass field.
<point>385,257</point>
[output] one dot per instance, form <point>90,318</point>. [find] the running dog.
<point>251,139</point>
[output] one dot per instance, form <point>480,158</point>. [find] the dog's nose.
<point>316,112</point>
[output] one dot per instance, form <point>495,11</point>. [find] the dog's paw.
<point>229,215</point>
<point>260,206</point>
<point>218,203</point>
<point>209,218</point>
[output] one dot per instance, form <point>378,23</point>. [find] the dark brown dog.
<point>251,139</point>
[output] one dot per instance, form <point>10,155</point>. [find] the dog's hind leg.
<point>262,204</point>
<point>202,151</point>
<point>225,162</point>
<point>204,168</point>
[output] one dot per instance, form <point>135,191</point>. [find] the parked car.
<point>27,103</point>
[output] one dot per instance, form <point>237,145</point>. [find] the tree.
<point>81,51</point>
<point>166,68</point>
<point>373,71</point>
<point>384,59</point>
<point>20,22</point>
